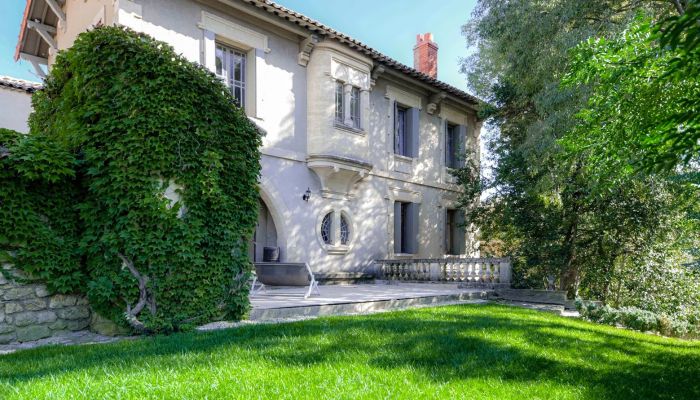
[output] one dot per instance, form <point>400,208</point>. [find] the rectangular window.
<point>231,68</point>
<point>339,103</point>
<point>406,125</point>
<point>402,139</point>
<point>405,228</point>
<point>355,107</point>
<point>454,232</point>
<point>452,152</point>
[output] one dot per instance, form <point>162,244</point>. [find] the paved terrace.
<point>289,302</point>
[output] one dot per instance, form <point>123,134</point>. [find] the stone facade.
<point>318,165</point>
<point>29,312</point>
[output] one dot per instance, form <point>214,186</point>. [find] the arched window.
<point>344,230</point>
<point>326,228</point>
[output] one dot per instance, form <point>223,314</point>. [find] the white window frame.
<point>336,244</point>
<point>348,105</point>
<point>230,56</point>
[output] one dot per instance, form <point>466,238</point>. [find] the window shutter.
<point>414,127</point>
<point>397,227</point>
<point>396,128</point>
<point>461,146</point>
<point>446,135</point>
<point>412,231</point>
<point>459,233</point>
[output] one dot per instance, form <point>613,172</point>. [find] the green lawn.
<point>471,351</point>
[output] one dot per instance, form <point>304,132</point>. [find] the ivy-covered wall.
<point>136,186</point>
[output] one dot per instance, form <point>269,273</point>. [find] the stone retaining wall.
<point>28,312</point>
<point>533,295</point>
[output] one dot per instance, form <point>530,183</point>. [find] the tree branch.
<point>144,297</point>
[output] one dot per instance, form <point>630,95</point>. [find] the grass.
<point>468,351</point>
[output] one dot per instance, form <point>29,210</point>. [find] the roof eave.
<point>22,29</point>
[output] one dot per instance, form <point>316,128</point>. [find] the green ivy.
<point>122,118</point>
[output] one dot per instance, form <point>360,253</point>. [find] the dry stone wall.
<point>29,312</point>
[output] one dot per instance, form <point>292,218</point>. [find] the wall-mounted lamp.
<point>306,195</point>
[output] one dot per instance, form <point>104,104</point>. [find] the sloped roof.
<point>319,28</point>
<point>19,84</point>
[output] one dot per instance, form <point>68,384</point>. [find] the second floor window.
<point>339,103</point>
<point>406,131</point>
<point>347,105</point>
<point>455,145</point>
<point>452,152</point>
<point>231,68</point>
<point>355,107</point>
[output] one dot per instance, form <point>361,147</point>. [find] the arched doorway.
<point>265,233</point>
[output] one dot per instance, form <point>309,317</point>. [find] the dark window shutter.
<point>448,143</point>
<point>414,128</point>
<point>412,231</point>
<point>396,128</point>
<point>461,146</point>
<point>459,233</point>
<point>397,227</point>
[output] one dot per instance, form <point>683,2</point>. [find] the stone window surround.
<point>348,122</point>
<point>398,162</point>
<point>452,116</point>
<point>335,247</point>
<point>254,44</point>
<point>405,196</point>
<point>351,74</point>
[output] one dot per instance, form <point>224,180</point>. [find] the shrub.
<point>681,325</point>
<point>162,183</point>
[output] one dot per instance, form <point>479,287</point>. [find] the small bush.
<point>680,325</point>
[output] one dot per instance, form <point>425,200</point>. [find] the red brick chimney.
<point>425,55</point>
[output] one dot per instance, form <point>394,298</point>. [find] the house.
<point>16,102</point>
<point>358,148</point>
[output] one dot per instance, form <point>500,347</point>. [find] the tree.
<point>557,213</point>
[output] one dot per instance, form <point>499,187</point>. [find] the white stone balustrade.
<point>467,271</point>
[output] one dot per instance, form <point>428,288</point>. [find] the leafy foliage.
<point>644,106</point>
<point>162,182</point>
<point>559,203</point>
<point>37,194</point>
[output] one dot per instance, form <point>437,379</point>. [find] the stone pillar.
<point>505,271</point>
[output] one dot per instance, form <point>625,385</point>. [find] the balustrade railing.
<point>476,271</point>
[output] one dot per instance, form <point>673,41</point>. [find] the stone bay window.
<point>348,103</point>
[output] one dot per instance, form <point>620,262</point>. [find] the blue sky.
<point>389,26</point>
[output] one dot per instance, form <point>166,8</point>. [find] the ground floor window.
<point>454,232</point>
<point>405,228</point>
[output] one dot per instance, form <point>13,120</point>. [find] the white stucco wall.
<point>15,107</point>
<point>294,104</point>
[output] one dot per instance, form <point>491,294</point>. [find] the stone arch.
<point>271,213</point>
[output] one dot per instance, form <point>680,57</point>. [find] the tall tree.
<point>555,213</point>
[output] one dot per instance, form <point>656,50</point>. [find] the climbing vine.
<point>159,170</point>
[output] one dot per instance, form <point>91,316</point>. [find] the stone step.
<point>350,308</point>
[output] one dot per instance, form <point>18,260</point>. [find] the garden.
<point>465,351</point>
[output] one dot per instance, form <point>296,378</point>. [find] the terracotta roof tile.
<point>20,84</point>
<point>315,26</point>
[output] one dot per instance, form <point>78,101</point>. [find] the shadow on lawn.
<point>443,344</point>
